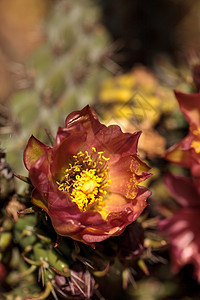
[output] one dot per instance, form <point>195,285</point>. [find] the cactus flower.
<point>89,181</point>
<point>187,151</point>
<point>183,228</point>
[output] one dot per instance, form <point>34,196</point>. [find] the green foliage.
<point>62,75</point>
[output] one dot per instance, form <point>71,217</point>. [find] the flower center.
<point>86,179</point>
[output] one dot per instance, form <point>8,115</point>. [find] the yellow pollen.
<point>86,179</point>
<point>196,131</point>
<point>89,186</point>
<point>196,146</point>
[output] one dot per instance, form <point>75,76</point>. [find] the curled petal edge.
<point>39,200</point>
<point>33,151</point>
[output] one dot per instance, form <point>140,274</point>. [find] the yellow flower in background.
<point>137,95</point>
<point>136,100</point>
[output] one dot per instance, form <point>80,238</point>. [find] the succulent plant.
<point>62,75</point>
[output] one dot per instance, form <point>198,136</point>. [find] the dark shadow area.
<point>142,29</point>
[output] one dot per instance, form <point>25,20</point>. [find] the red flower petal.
<point>190,106</point>
<point>40,174</point>
<point>115,207</point>
<point>110,139</point>
<point>39,200</point>
<point>33,151</point>
<point>86,116</point>
<point>62,155</point>
<point>127,169</point>
<point>98,236</point>
<point>183,189</point>
<point>183,230</point>
<point>177,155</point>
<point>113,140</point>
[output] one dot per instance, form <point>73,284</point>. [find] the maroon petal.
<point>183,189</point>
<point>67,228</point>
<point>62,155</point>
<point>130,170</point>
<point>87,117</point>
<point>39,200</point>
<point>125,199</point>
<point>190,106</point>
<point>40,174</point>
<point>183,231</point>
<point>176,154</point>
<point>98,237</point>
<point>63,213</point>
<point>113,141</point>
<point>110,138</point>
<point>33,151</point>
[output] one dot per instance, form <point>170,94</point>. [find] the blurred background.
<point>124,58</point>
<point>56,55</point>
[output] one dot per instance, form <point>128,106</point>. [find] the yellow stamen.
<point>196,146</point>
<point>196,131</point>
<point>86,179</point>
